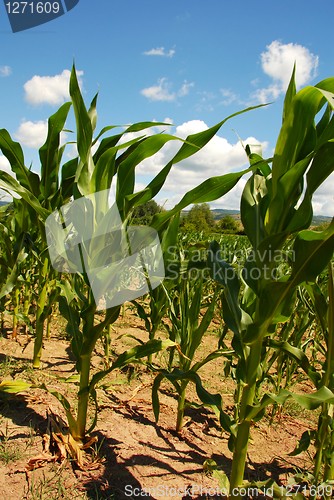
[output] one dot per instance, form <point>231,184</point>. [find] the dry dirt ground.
<point>137,455</point>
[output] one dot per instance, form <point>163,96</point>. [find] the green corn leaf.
<point>320,169</point>
<point>8,183</point>
<point>104,171</point>
<point>303,444</point>
<point>290,93</point>
<point>14,154</point>
<point>299,356</point>
<point>68,177</point>
<point>132,356</point>
<point>312,251</point>
<point>137,127</point>
<point>308,401</point>
<point>48,153</point>
<point>298,120</point>
<point>103,131</point>
<point>225,274</point>
<point>211,400</point>
<point>142,314</point>
<point>199,140</point>
<point>252,201</point>
<point>12,278</point>
<point>125,172</point>
<point>94,422</point>
<point>82,118</point>
<point>92,112</point>
<point>65,404</point>
<point>288,192</point>
<point>14,386</point>
<point>323,123</point>
<point>209,190</point>
<point>319,303</point>
<point>197,335</point>
<point>213,355</point>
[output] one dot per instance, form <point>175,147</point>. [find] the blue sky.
<point>188,63</point>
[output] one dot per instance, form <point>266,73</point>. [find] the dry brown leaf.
<point>58,437</point>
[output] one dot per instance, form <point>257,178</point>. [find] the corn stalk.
<point>273,208</point>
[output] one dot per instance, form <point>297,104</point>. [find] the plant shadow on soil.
<point>138,452</point>
<point>116,476</point>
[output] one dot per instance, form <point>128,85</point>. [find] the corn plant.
<point>274,207</point>
<point>16,246</point>
<point>94,231</point>
<point>186,301</point>
<point>40,195</point>
<point>323,437</point>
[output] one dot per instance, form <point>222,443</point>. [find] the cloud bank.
<point>53,90</point>
<point>277,62</point>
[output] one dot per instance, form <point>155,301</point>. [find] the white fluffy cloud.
<point>277,62</point>
<point>159,92</point>
<point>5,70</point>
<point>323,199</point>
<point>52,90</point>
<point>218,157</point>
<point>34,134</point>
<point>5,165</point>
<point>159,51</point>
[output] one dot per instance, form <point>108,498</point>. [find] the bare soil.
<point>138,458</point>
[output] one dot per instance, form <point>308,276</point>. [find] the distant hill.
<point>219,213</point>
<point>320,219</point>
<point>4,202</point>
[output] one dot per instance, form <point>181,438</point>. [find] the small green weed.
<point>53,488</point>
<point>9,452</point>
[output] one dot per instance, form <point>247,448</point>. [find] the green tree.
<point>143,214</point>
<point>199,218</point>
<point>228,225</point>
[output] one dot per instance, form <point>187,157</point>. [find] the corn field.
<point>63,244</point>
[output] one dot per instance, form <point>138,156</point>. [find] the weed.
<point>9,452</point>
<point>53,488</point>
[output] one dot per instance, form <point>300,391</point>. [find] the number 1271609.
<point>292,490</point>
<point>32,7</point>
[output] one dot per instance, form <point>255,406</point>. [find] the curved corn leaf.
<point>312,251</point>
<point>303,443</point>
<point>14,386</point>
<point>308,401</point>
<point>299,356</point>
<point>14,154</point>
<point>49,152</point>
<point>212,400</point>
<point>225,274</point>
<point>8,183</point>
<point>133,355</point>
